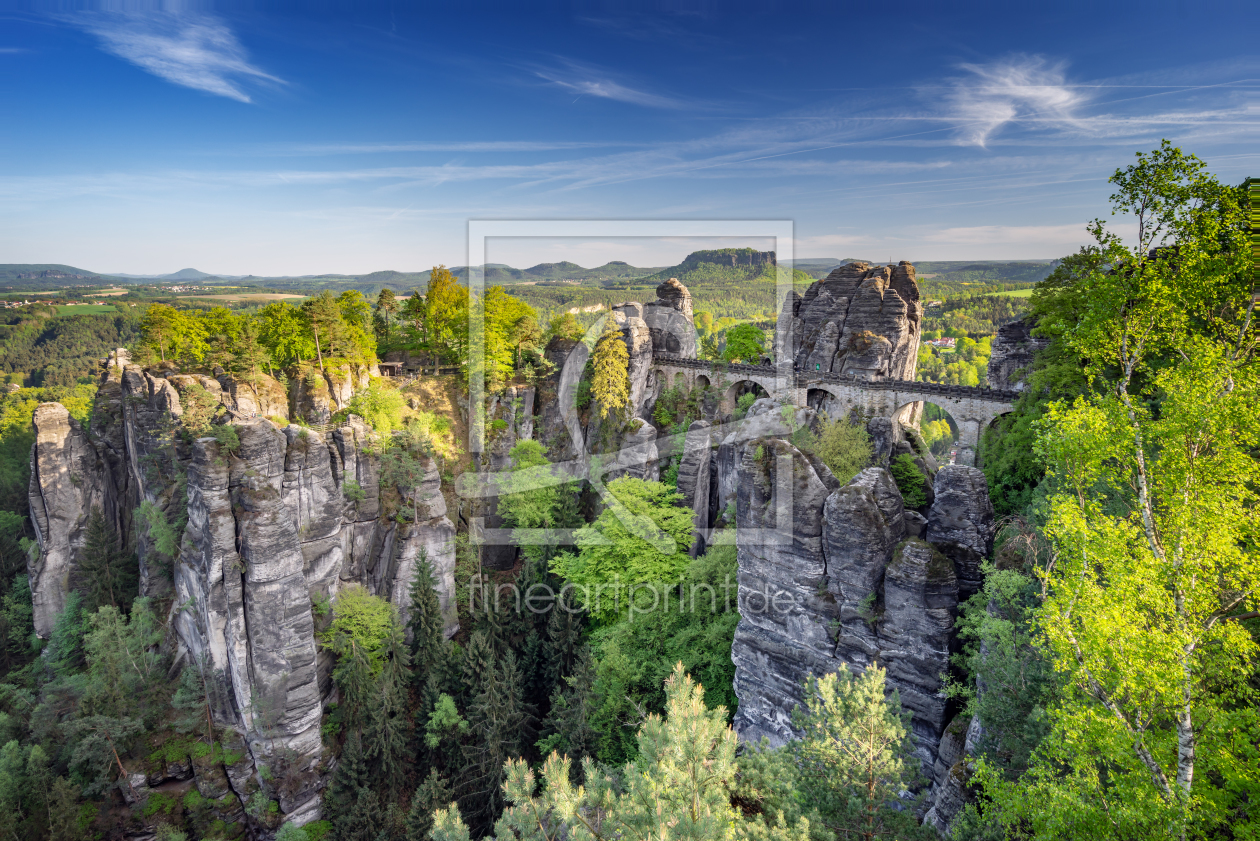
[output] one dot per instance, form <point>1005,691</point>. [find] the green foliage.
<point>855,755</point>
<point>199,407</point>
<point>745,343</point>
<point>610,383</point>
<point>642,538</point>
<point>361,621</point>
<point>108,574</point>
<point>351,489</point>
<point>380,405</point>
<point>676,407</point>
<point>744,403</point>
<point>1152,488</point>
<point>38,350</point>
<point>909,479</point>
<point>678,788</point>
<point>633,658</point>
<point>844,447</point>
<point>162,534</point>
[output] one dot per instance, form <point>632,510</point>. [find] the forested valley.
<point>253,590</point>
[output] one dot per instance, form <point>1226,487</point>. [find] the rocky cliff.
<point>832,575</point>
<point>1014,349</point>
<point>860,320</point>
<point>239,542</point>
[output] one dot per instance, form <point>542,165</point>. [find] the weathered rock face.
<point>1013,353</point>
<point>314,396</point>
<point>670,320</point>
<point>68,479</point>
<point>511,420</point>
<point>765,418</point>
<point>261,395</point>
<point>637,457</point>
<point>693,481</point>
<point>559,429</point>
<point>290,516</point>
<point>961,523</point>
<point>639,344</point>
<point>859,321</point>
<point>854,589</point>
<point>784,606</point>
<point>244,570</point>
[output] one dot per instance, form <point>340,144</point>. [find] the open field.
<point>262,297</point>
<point>1018,293</point>
<point>84,309</point>
<point>114,291</point>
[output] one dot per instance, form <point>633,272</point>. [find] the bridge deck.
<point>804,380</point>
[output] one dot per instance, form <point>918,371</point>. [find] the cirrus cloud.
<point>196,52</point>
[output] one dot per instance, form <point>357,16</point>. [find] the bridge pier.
<point>968,439</point>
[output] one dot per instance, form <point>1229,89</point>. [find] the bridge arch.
<point>737,389</point>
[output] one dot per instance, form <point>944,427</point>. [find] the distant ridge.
<point>39,271</point>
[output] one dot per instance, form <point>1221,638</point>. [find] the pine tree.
<point>350,776</point>
<point>390,727</point>
<point>478,665</point>
<point>387,305</point>
<point>433,794</point>
<point>611,383</point>
<point>425,624</point>
<point>498,721</point>
<point>573,705</point>
<point>363,820</point>
<point>108,574</point>
<point>564,638</point>
<point>353,676</point>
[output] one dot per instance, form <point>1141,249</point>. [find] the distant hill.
<point>187,274</point>
<point>42,271</point>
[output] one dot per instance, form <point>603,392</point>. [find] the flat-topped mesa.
<point>860,320</point>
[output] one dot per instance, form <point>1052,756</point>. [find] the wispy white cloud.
<point>13,50</point>
<point>1011,234</point>
<point>585,80</point>
<point>197,52</point>
<point>1011,90</point>
<point>441,146</point>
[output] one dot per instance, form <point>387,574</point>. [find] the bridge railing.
<point>804,380</point>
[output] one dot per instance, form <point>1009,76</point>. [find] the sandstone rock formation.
<point>859,321</point>
<point>961,523</point>
<point>671,321</point>
<point>693,481</point>
<point>855,586</point>
<point>271,527</point>
<point>67,481</point>
<point>1013,352</point>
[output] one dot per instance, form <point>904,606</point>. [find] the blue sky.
<point>252,139</point>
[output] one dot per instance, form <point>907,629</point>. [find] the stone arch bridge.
<point>972,408</point>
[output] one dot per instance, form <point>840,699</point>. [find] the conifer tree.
<point>109,575</point>
<point>573,705</point>
<point>390,727</point>
<point>478,664</point>
<point>350,776</point>
<point>363,820</point>
<point>433,794</point>
<point>611,383</point>
<point>353,675</point>
<point>386,306</point>
<point>425,624</point>
<point>564,637</point>
<point>497,720</point>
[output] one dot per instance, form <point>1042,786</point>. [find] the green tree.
<point>855,756</point>
<point>389,730</point>
<point>425,624</point>
<point>285,334</point>
<point>910,481</point>
<point>745,343</point>
<point>431,795</point>
<point>639,543</point>
<point>446,314</point>
<point>173,333</point>
<point>387,306</point>
<point>678,788</point>
<point>109,574</point>
<point>610,385</point>
<point>1155,480</point>
<point>566,326</point>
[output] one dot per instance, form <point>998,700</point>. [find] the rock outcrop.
<point>671,321</point>
<point>961,523</point>
<point>68,480</point>
<point>854,585</point>
<point>285,519</point>
<point>861,321</point>
<point>693,481</point>
<point>1014,349</point>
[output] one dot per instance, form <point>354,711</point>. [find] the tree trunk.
<point>318,352</point>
